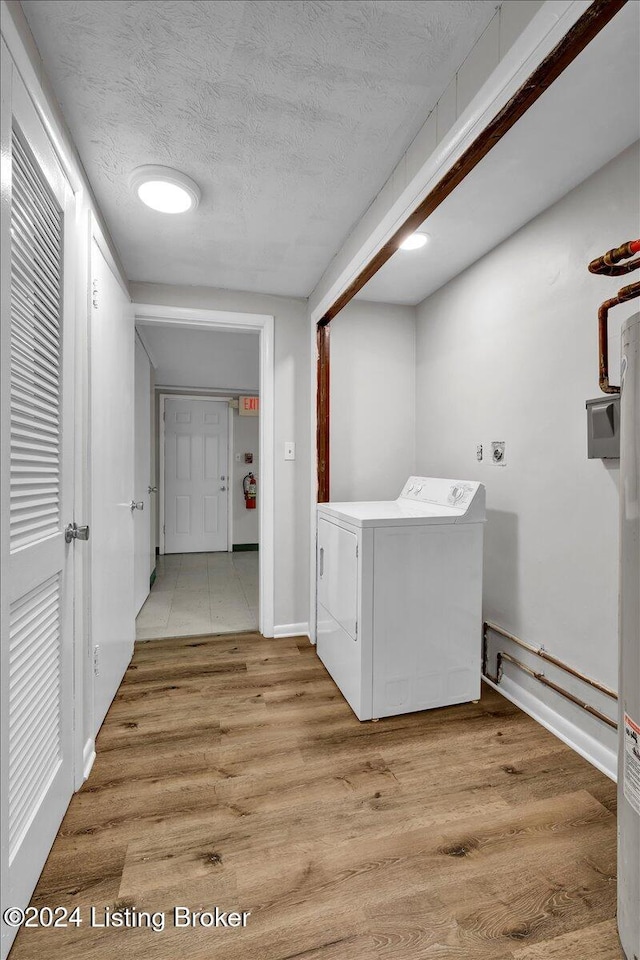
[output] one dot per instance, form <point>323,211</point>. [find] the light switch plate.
<point>289,450</point>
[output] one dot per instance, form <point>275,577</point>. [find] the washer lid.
<point>424,500</point>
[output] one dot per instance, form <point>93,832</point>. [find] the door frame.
<point>263,324</point>
<point>163,397</point>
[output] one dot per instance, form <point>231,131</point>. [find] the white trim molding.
<point>194,319</point>
<point>291,630</point>
<point>88,757</point>
<point>151,314</point>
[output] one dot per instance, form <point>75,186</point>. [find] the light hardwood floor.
<point>230,772</point>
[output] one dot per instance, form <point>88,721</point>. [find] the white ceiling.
<point>289,114</point>
<point>206,359</point>
<point>587,117</point>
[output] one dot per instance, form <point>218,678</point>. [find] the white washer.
<point>399,612</point>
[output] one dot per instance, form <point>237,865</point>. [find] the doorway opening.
<point>208,485</point>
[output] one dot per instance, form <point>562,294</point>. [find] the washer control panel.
<point>450,493</point>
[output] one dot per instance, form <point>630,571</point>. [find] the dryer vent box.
<point>603,428</point>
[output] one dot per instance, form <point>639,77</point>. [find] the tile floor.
<point>198,593</point>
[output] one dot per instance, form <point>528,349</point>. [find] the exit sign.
<point>249,406</point>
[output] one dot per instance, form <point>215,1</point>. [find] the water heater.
<point>629,689</point>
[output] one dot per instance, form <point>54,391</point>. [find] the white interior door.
<point>37,495</point>
<point>142,517</point>
<point>112,481</point>
<point>196,475</point>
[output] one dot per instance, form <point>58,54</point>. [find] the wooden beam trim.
<point>323,413</point>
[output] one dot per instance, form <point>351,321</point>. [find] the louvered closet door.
<point>37,674</point>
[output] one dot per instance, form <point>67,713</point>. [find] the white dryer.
<point>399,589</point>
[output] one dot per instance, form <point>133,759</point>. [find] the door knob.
<point>74,532</point>
<point>137,505</point>
<point>152,489</point>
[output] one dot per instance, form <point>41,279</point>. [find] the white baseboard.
<point>291,630</point>
<point>602,757</point>
<point>88,756</point>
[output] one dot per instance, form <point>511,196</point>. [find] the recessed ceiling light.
<point>414,241</point>
<point>164,189</point>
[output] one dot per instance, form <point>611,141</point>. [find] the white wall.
<point>292,391</point>
<point>246,434</point>
<point>207,359</point>
<point>372,400</point>
<point>508,351</point>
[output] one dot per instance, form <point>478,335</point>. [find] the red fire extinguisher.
<point>250,487</point>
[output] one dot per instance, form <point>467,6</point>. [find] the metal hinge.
<point>94,293</point>
<point>357,551</point>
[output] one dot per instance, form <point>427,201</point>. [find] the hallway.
<point>231,773</point>
<point>320,539</point>
<point>201,593</point>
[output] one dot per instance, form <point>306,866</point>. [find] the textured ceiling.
<point>290,114</point>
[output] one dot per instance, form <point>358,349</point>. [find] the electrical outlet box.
<point>603,428</point>
<point>96,660</point>
<point>498,452</point>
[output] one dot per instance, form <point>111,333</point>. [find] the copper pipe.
<point>541,652</point>
<point>609,264</point>
<point>558,689</point>
<point>625,293</point>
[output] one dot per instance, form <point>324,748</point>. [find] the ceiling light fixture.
<point>414,241</point>
<point>164,189</point>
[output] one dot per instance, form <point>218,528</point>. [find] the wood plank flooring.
<point>231,773</point>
